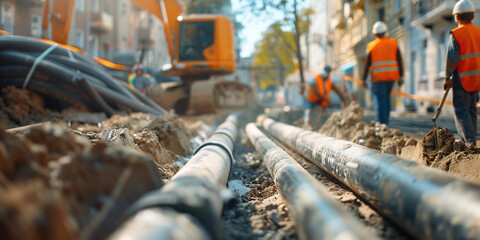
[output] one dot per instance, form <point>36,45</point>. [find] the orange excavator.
<point>201,50</point>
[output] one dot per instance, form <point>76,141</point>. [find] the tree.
<point>294,20</point>
<point>274,56</point>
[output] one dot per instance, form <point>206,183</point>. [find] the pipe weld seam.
<point>220,145</point>
<point>225,133</point>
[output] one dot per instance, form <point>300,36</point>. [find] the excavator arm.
<point>58,16</point>
<point>57,19</point>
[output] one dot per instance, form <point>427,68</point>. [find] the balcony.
<point>427,13</point>
<point>145,36</point>
<point>101,23</point>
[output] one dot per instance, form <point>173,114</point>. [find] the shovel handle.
<point>440,106</point>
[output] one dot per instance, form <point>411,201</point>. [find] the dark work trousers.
<point>381,91</point>
<point>464,104</point>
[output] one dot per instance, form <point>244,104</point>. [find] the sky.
<point>254,26</point>
<point>252,31</point>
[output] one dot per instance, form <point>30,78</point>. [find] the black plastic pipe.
<point>427,203</point>
<point>25,44</point>
<point>316,214</point>
<point>83,83</point>
<point>58,74</point>
<point>62,99</point>
<point>195,190</point>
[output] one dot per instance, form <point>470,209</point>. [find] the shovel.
<point>437,113</point>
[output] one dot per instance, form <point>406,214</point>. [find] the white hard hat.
<point>463,6</point>
<point>379,27</point>
<point>137,66</point>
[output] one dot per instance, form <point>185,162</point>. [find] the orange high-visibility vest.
<point>468,37</point>
<point>384,64</point>
<point>312,95</point>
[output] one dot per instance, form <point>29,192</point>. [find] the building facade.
<point>105,29</point>
<point>421,28</point>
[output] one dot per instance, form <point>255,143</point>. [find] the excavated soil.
<point>441,153</point>
<point>70,180</point>
<point>19,107</point>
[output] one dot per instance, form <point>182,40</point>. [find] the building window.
<point>423,66</point>
<point>36,26</point>
<point>123,8</point>
<point>80,5</point>
<point>80,38</point>
<point>442,51</point>
<point>380,16</point>
<point>7,19</point>
<point>94,46</point>
<point>96,6</point>
<point>398,6</point>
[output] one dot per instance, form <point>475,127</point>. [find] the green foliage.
<point>276,52</point>
<point>206,6</point>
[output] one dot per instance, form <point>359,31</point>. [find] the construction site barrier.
<point>404,94</point>
<point>190,205</point>
<point>316,214</point>
<point>425,202</point>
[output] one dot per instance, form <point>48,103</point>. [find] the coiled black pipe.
<point>26,44</point>
<point>67,78</point>
<point>96,97</point>
<point>61,99</point>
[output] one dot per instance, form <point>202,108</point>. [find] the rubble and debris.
<point>460,161</point>
<point>347,124</point>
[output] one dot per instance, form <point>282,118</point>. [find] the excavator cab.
<point>203,47</point>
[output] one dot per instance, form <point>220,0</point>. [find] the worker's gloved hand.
<point>364,84</point>
<point>302,90</point>
<point>400,82</point>
<point>447,83</point>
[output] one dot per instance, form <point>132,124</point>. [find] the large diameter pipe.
<point>316,214</point>
<point>194,191</point>
<point>427,203</point>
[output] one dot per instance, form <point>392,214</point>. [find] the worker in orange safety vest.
<point>317,95</point>
<point>463,70</point>
<point>385,65</point>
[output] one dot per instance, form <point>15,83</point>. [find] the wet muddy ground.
<point>70,177</point>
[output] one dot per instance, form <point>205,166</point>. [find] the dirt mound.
<point>95,182</point>
<point>173,134</point>
<point>133,121</point>
<point>437,144</point>
<point>33,211</point>
<point>20,106</point>
<point>347,124</point>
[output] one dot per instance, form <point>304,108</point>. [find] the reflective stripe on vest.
<point>468,68</point>
<point>384,64</point>
<point>312,95</point>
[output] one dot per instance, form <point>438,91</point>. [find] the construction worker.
<point>463,70</point>
<point>317,95</point>
<point>385,65</point>
<point>138,80</point>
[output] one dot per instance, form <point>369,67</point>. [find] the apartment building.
<point>105,29</point>
<point>21,17</point>
<point>431,23</point>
